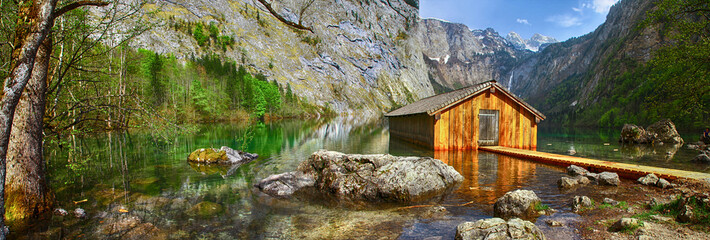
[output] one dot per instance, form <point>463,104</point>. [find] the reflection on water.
<point>603,144</point>
<point>135,187</point>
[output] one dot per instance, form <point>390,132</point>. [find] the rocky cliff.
<point>457,56</point>
<point>363,55</point>
<point>567,77</point>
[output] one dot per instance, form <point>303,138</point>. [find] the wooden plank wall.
<point>417,128</point>
<point>457,128</point>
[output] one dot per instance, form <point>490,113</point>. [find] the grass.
<point>631,229</point>
<point>701,211</point>
<point>541,207</point>
<point>622,204</point>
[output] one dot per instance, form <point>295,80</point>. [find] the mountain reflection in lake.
<point>133,187</point>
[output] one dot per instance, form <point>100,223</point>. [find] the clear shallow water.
<point>603,144</point>
<point>134,187</point>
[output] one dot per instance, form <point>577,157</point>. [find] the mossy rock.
<point>206,209</point>
<point>208,155</point>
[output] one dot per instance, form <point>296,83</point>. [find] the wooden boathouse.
<point>486,114</point>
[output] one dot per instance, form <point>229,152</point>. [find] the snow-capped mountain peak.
<point>536,43</point>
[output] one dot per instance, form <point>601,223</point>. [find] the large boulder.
<point>224,155</point>
<point>518,203</point>
<point>664,131</point>
<point>497,228</point>
<point>633,134</point>
<point>380,177</point>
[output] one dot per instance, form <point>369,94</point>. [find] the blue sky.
<point>561,19</point>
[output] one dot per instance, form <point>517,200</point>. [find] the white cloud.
<point>577,9</point>
<point>565,20</point>
<point>523,21</point>
<point>600,6</point>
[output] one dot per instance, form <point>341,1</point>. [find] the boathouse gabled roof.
<point>437,103</point>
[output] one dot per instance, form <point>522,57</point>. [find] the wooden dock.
<point>625,170</point>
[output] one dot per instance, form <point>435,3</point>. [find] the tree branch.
<point>78,4</point>
<point>282,19</point>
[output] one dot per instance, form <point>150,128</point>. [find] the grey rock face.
<point>648,180</point>
<point>375,178</point>
<point>579,202</point>
<point>560,63</point>
<point>518,203</point>
<point>608,178</point>
<point>357,49</point>
<point>624,223</point>
<point>497,228</point>
<point>457,56</point>
<point>574,170</point>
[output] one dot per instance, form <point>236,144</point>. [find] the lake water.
<point>133,186</point>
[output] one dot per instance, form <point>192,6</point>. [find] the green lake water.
<point>133,187</point>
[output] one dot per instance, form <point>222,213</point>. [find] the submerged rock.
<point>60,212</point>
<point>702,158</point>
<point>497,228</point>
<point>286,184</point>
<point>79,213</point>
<point>567,182</point>
<point>380,177</point>
<point>206,209</point>
<point>518,203</point>
<point>224,155</point>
